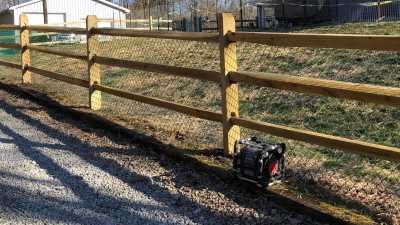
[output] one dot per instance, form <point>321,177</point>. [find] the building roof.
<point>113,5</point>
<point>5,6</point>
<point>260,2</point>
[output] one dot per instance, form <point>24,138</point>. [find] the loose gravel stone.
<point>57,170</point>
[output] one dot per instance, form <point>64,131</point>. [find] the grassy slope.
<point>383,28</point>
<point>333,171</point>
<point>344,118</point>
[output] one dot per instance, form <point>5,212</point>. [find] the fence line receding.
<point>228,77</point>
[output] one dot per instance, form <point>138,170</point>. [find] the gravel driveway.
<point>56,170</point>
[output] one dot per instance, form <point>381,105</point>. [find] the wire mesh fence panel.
<point>344,179</point>
<point>54,39</point>
<point>191,54</point>
<point>166,125</point>
<point>77,47</point>
<point>191,92</point>
<point>367,11</point>
<point>65,93</point>
<point>9,75</point>
<point>377,124</point>
<point>381,28</point>
<point>196,93</point>
<point>359,66</point>
<point>61,92</point>
<point>350,178</point>
<point>8,54</point>
<point>367,184</point>
<point>66,66</point>
<point>177,128</point>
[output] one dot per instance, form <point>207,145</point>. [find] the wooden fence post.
<point>230,91</point>
<point>93,68</point>
<point>25,54</point>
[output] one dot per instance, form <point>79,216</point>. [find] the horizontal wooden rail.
<point>11,65</point>
<point>58,52</point>
<point>172,70</point>
<point>199,113</point>
<point>385,152</point>
<point>189,36</point>
<point>345,41</point>
<point>362,92</point>
<point>60,77</point>
<point>12,46</point>
<point>65,30</point>
<point>9,27</point>
<point>338,89</point>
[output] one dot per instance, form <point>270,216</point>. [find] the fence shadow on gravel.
<point>31,206</point>
<point>191,80</point>
<point>90,155</point>
<point>243,194</point>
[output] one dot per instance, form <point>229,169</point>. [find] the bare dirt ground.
<point>57,170</point>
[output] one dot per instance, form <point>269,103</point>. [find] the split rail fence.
<point>228,77</point>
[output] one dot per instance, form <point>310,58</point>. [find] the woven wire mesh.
<point>59,64</point>
<point>190,54</point>
<point>9,75</point>
<point>10,55</point>
<point>66,66</point>
<point>167,126</point>
<point>67,94</point>
<point>6,54</point>
<point>370,184</point>
<point>173,127</point>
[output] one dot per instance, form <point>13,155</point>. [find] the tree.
<point>45,12</point>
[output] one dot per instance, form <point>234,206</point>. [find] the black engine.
<point>259,162</point>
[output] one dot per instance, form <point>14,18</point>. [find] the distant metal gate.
<point>368,11</point>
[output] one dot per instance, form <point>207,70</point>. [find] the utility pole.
<point>144,10</point>
<point>45,12</point>
<point>194,17</point>
<point>216,11</point>
<point>148,5</point>
<point>379,10</point>
<point>241,15</point>
<point>207,9</point>
<point>167,2</point>
<point>305,11</point>
<point>158,15</point>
